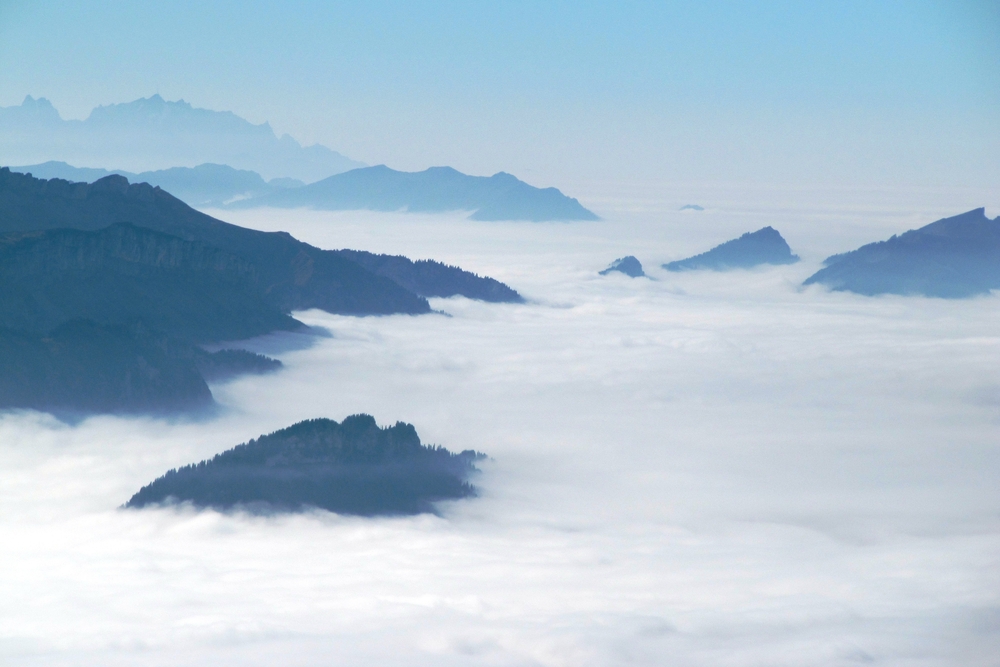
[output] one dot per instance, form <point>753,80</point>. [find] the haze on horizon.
<point>785,94</point>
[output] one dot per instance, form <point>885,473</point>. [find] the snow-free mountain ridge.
<point>152,133</point>
<point>437,189</point>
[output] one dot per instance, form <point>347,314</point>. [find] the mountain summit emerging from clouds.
<point>153,133</point>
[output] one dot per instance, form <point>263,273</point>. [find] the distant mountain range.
<point>497,197</point>
<point>951,258</point>
<point>353,467</point>
<point>764,246</point>
<point>204,186</point>
<point>438,189</point>
<point>152,133</point>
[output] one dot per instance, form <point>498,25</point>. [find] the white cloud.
<point>702,469</point>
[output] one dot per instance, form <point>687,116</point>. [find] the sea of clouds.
<point>693,469</point>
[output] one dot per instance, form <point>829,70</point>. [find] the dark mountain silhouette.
<point>429,278</point>
<point>764,246</point>
<point>84,367</point>
<point>498,197</point>
<point>152,133</point>
<point>108,321</point>
<point>81,368</point>
<point>952,258</point>
<point>628,265</point>
<point>122,274</point>
<point>203,186</point>
<point>353,467</point>
<point>293,275</point>
<point>229,363</point>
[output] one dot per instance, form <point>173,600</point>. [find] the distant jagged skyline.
<point>152,133</point>
<point>870,93</point>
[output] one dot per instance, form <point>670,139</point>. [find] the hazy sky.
<point>869,92</point>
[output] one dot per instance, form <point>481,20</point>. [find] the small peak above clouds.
<point>764,246</point>
<point>628,265</point>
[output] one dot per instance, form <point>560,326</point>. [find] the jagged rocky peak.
<point>628,265</point>
<point>764,246</point>
<point>353,467</point>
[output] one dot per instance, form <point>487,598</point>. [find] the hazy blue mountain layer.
<point>498,197</point>
<point>202,186</point>
<point>353,467</point>
<point>764,246</point>
<point>153,133</point>
<point>123,274</point>
<point>292,275</point>
<point>628,265</point>
<point>951,258</point>
<point>429,278</point>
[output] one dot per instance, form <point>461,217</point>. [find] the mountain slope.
<point>85,368</point>
<point>353,467</point>
<point>764,246</point>
<point>153,133</point>
<point>292,275</point>
<point>952,258</point>
<point>498,197</point>
<point>123,274</point>
<point>429,278</point>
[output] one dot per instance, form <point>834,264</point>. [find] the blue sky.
<point>776,92</point>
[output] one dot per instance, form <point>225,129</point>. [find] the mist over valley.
<point>499,334</point>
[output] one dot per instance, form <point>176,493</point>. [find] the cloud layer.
<point>701,469</point>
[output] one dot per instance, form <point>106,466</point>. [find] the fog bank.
<point>698,469</point>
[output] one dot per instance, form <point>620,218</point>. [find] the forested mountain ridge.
<point>353,467</point>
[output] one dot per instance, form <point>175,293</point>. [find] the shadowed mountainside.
<point>952,258</point>
<point>498,197</point>
<point>353,467</point>
<point>121,274</point>
<point>108,321</point>
<point>764,246</point>
<point>293,275</point>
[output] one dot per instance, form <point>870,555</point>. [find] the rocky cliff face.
<point>336,284</point>
<point>123,274</point>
